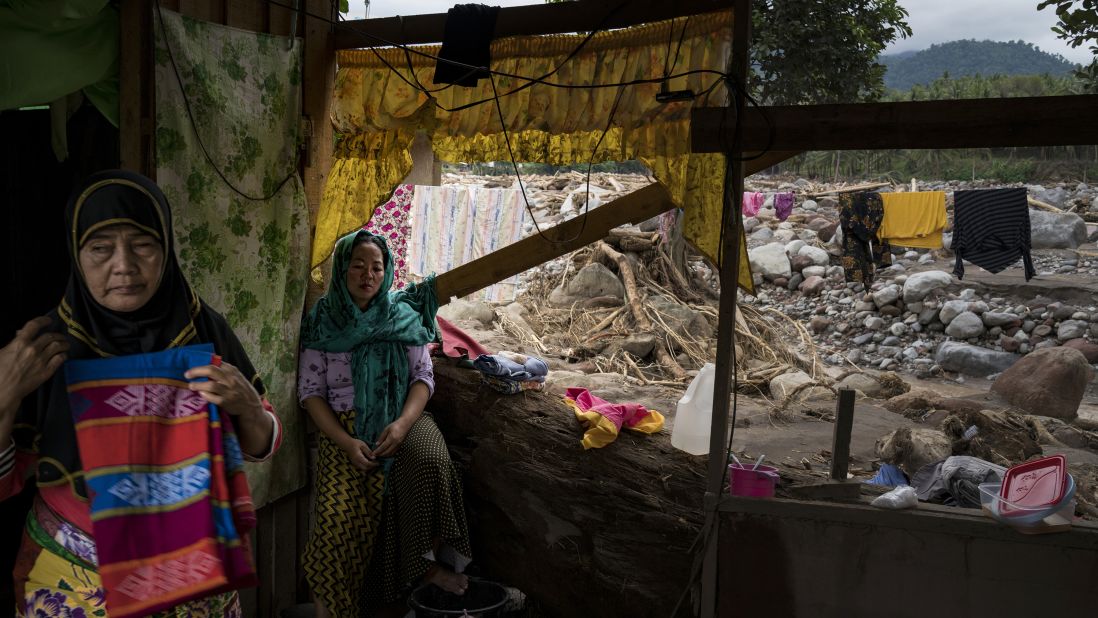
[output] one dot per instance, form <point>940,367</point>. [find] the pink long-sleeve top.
<point>328,375</point>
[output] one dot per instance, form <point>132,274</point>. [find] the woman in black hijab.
<point>126,295</point>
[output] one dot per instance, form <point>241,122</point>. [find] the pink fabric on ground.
<point>456,342</point>
<point>621,414</point>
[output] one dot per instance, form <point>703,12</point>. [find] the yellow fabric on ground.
<point>378,106</point>
<point>914,219</point>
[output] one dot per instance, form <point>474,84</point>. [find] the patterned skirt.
<point>346,515</point>
<point>55,576</point>
<point>423,522</point>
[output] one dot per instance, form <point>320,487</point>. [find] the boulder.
<point>994,318</point>
<point>1047,382</point>
<point>862,382</point>
<point>591,281</point>
<point>460,310</point>
<point>886,295</point>
<point>912,448</point>
<point>793,247</point>
<point>771,261</point>
<point>680,318</point>
<point>827,233</point>
<point>818,256</point>
<point>1051,230</point>
<point>920,285</point>
<point>814,271</point>
<point>639,344</point>
<point>973,360</point>
<point>800,262</point>
<point>952,309</point>
<point>790,384</point>
<point>965,326</point>
<point>1089,350</point>
<point>812,286</point>
<point>1071,329</point>
<point>763,234</point>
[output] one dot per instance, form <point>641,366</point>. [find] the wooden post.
<point>840,445</point>
<point>135,88</point>
<point>732,222</point>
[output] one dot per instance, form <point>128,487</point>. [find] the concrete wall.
<point>788,558</point>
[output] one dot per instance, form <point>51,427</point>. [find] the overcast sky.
<point>932,21</point>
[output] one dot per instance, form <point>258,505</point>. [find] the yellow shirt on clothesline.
<point>914,219</point>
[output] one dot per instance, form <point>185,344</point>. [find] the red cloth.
<point>627,414</point>
<point>456,342</point>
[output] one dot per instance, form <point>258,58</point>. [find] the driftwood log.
<point>605,532</point>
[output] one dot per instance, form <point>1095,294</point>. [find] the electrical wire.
<point>587,181</point>
<point>198,136</point>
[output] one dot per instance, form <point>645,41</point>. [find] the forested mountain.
<point>970,57</point>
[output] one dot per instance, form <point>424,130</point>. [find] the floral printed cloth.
<point>390,220</point>
<point>247,258</point>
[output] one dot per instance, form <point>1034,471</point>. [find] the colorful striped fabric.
<point>170,504</point>
<point>456,224</point>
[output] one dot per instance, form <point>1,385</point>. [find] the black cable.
<point>198,137</point>
<point>590,165</point>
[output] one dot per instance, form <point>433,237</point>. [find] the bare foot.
<point>455,583</point>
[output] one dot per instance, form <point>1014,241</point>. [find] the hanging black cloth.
<point>991,230</point>
<point>468,40</point>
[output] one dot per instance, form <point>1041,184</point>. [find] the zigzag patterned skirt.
<point>346,516</point>
<point>365,552</point>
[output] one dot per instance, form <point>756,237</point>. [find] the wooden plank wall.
<point>279,540</point>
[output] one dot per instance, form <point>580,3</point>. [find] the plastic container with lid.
<point>1033,485</point>
<point>1023,516</point>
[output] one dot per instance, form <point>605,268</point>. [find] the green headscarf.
<point>377,338</point>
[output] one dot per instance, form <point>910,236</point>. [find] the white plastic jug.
<point>694,414</point>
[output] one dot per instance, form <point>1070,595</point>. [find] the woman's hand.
<point>28,361</point>
<point>360,455</point>
<point>391,438</point>
<point>226,387</point>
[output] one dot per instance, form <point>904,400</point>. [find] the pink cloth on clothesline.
<point>752,202</point>
<point>390,221</point>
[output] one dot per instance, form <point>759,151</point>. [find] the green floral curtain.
<point>247,258</point>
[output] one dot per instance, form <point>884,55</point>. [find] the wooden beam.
<point>725,370</point>
<point>840,443</point>
<point>527,253</point>
<point>533,19</point>
<point>964,123</point>
<point>135,88</point>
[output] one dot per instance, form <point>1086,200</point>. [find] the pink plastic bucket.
<point>758,483</point>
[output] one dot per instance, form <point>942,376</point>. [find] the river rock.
<point>952,309</point>
<point>919,285</point>
<point>862,382</point>
<point>591,281</point>
<point>993,318</point>
<point>1071,329</point>
<point>886,295</point>
<point>818,256</point>
<point>771,261</point>
<point>1047,382</point>
<point>1051,230</point>
<point>973,360</point>
<point>812,286</point>
<point>1089,350</point>
<point>965,326</point>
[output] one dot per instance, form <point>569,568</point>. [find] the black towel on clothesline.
<point>991,230</point>
<point>468,40</point>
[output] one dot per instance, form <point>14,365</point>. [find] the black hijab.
<point>174,316</point>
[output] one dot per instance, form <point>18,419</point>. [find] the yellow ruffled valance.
<point>379,105</point>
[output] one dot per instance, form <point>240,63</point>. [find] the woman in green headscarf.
<point>387,493</point>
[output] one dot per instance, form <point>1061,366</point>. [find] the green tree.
<point>808,51</point>
<point>1078,26</point>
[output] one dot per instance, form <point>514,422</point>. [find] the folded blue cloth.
<point>889,476</point>
<point>504,368</point>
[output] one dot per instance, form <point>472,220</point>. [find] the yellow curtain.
<point>379,106</point>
